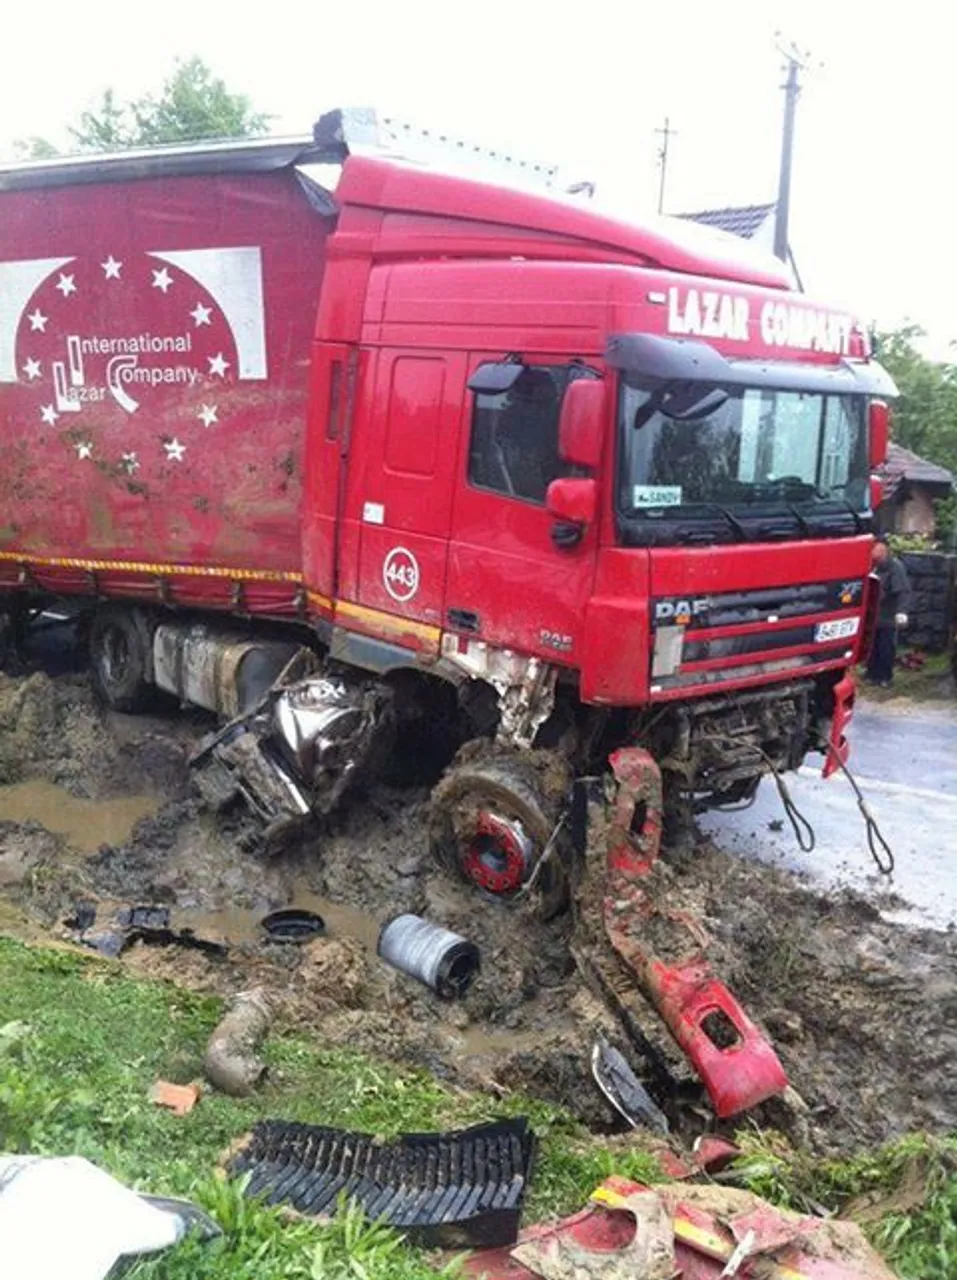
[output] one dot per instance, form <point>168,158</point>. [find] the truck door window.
<point>514,442</point>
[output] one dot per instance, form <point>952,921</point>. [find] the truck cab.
<point>581,448</point>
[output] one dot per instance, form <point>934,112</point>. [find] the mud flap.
<point>734,1060</point>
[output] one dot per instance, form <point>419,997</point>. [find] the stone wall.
<point>932,577</point>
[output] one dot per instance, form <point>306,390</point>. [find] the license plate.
<point>837,629</point>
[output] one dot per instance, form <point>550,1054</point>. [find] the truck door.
<point>513,581</point>
<point>407,430</point>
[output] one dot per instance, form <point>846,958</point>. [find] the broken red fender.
<point>734,1059</point>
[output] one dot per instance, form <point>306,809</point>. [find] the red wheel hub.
<point>498,857</point>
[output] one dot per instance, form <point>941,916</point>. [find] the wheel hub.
<point>499,856</point>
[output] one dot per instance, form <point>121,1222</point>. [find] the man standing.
<point>894,589</point>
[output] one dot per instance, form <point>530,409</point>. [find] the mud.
<point>863,1012</point>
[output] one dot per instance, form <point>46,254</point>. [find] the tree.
<point>925,415</point>
<point>34,149</point>
<point>193,105</point>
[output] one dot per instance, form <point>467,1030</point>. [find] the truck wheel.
<point>491,823</point>
<point>119,659</point>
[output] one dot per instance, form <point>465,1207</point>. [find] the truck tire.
<point>490,824</point>
<point>120,659</point>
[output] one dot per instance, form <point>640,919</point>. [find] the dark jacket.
<point>894,589</point>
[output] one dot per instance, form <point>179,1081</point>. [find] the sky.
<point>586,86</point>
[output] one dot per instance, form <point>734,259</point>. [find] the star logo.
<point>49,414</point>
<point>208,415</point>
<point>112,268</point>
<point>162,280</point>
<point>130,463</point>
<point>38,321</point>
<point>218,364</point>
<point>84,449</point>
<point>201,315</point>
<point>174,450</point>
<point>66,285</point>
<point>32,369</point>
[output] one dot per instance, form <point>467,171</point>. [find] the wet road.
<point>904,756</point>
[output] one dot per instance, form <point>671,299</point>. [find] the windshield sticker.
<point>656,495</point>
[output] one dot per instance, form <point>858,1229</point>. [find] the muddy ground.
<point>98,808</point>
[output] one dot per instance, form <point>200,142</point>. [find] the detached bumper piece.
<point>662,948</point>
<point>458,1189</point>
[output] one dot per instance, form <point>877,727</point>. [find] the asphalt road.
<point>904,756</point>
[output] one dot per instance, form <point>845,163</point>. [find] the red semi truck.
<point>420,460</point>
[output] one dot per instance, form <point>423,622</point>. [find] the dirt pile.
<point>863,1013</point>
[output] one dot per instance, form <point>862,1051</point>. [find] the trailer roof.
<point>245,155</point>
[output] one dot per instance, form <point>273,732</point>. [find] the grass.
<point>932,682</point>
<point>904,1195</point>
<point>81,1043</point>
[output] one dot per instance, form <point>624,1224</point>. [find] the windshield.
<point>730,459</point>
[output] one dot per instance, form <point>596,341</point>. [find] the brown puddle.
<point>236,925</point>
<point>84,824</point>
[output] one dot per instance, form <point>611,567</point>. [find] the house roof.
<point>904,466</point>
<point>744,220</point>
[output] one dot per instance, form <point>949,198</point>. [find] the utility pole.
<point>795,63</point>
<point>667,133</point>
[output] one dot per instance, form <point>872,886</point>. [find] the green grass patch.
<point>81,1043</point>
<point>904,1195</point>
<point>933,682</point>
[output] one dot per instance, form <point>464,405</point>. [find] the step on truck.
<point>398,465</point>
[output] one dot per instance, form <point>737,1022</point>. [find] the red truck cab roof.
<point>539,224</point>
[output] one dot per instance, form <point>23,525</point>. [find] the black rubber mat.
<point>455,1189</point>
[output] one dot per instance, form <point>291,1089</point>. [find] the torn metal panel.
<point>525,686</point>
<point>299,749</point>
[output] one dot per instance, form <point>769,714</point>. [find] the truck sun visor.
<point>494,378</point>
<point>647,358</point>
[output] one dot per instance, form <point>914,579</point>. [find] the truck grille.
<point>708,640</point>
<point>738,608</point>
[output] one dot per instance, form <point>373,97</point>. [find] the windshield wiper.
<point>731,518</point>
<point>802,524</point>
<point>848,507</point>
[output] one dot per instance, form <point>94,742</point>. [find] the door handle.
<point>567,534</point>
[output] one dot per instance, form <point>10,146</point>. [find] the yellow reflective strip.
<point>605,1195</point>
<point>320,601</point>
<point>389,622</point>
<point>707,1240</point>
<point>691,1234</point>
<point>139,566</point>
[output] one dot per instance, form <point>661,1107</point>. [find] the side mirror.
<point>878,431</point>
<point>580,426</point>
<point>572,499</point>
<point>877,492</point>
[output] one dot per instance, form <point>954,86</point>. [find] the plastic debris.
<point>631,1232</point>
<point>65,1219</point>
<point>624,1090</point>
<point>150,925</point>
<point>458,1189</point>
<point>293,924</point>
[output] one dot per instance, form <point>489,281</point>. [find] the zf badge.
<point>400,574</point>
